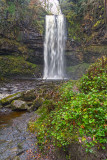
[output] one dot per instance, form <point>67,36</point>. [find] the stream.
<point>16,142</point>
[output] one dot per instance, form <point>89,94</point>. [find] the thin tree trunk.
<point>45,3</point>
<point>105,10</point>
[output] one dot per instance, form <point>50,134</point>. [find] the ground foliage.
<point>77,112</point>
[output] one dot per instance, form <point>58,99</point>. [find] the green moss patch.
<point>10,98</point>
<point>16,66</point>
<point>77,70</point>
<point>97,49</point>
<point>81,66</point>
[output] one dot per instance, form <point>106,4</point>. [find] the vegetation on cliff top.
<point>19,15</point>
<point>77,113</point>
<point>17,18</point>
<point>86,20</point>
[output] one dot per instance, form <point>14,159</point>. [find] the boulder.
<point>36,104</point>
<point>19,105</point>
<point>29,95</point>
<point>9,99</point>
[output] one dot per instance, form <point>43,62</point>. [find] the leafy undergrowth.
<point>77,113</point>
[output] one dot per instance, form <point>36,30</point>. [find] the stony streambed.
<point>16,142</point>
<point>14,86</point>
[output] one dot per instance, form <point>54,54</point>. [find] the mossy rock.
<point>37,103</point>
<point>9,99</point>
<point>16,66</point>
<point>13,45</point>
<point>77,71</point>
<point>29,95</point>
<point>19,105</point>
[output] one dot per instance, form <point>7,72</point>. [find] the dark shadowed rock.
<point>37,103</point>
<point>1,106</point>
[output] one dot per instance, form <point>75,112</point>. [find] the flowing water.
<point>54,47</point>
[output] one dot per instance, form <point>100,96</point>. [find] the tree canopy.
<point>81,14</point>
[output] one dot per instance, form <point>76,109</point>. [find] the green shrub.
<point>95,79</point>
<point>79,114</point>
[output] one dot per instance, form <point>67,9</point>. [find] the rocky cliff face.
<point>87,34</point>
<point>34,42</point>
<point>78,58</point>
<point>29,47</point>
<point>21,29</point>
<point>30,44</point>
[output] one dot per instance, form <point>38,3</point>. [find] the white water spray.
<point>54,47</point>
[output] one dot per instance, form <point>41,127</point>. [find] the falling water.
<point>54,47</point>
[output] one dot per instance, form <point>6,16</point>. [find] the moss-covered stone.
<point>28,95</point>
<point>9,99</point>
<point>77,71</point>
<point>37,103</point>
<point>19,105</point>
<point>12,45</point>
<point>16,66</point>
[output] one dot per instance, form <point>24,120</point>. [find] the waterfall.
<point>54,47</point>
